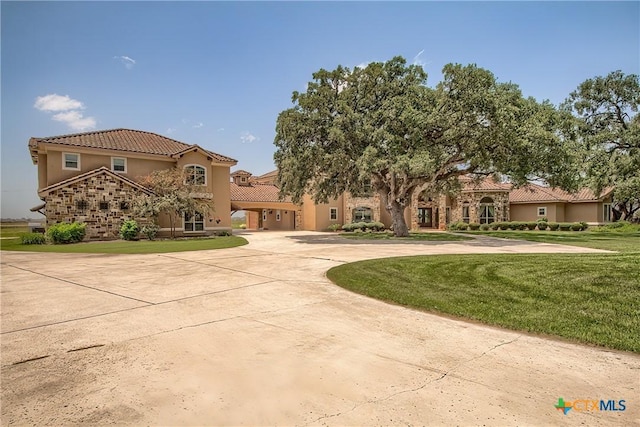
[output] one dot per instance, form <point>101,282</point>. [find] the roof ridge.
<point>87,174</point>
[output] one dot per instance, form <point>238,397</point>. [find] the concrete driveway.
<point>256,335</point>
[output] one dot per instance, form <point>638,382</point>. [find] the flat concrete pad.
<point>257,335</point>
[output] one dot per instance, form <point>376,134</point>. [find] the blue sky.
<point>217,74</point>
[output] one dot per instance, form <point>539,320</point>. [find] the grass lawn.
<point>613,241</point>
<point>588,298</point>
<point>129,247</point>
<point>432,237</point>
<point>13,230</point>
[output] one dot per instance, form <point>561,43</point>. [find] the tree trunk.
<point>396,210</point>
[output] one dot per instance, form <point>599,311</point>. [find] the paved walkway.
<point>256,335</point>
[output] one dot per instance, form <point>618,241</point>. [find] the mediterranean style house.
<point>93,178</point>
<point>481,202</point>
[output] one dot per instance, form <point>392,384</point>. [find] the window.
<point>333,214</point>
<point>542,211</point>
<point>264,214</point>
<point>119,164</point>
<point>362,214</point>
<point>278,215</point>
<point>487,211</point>
<point>193,222</point>
<point>104,206</point>
<point>195,175</point>
<point>124,206</point>
<point>606,212</point>
<point>81,206</point>
<point>465,212</point>
<point>447,215</point>
<point>243,179</point>
<point>71,161</point>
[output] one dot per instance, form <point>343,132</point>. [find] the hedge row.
<point>364,226</point>
<point>520,225</point>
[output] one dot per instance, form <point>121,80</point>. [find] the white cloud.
<point>246,136</point>
<point>67,109</point>
<point>220,130</point>
<point>75,120</point>
<point>126,61</point>
<point>363,65</point>
<point>198,125</point>
<point>55,102</point>
<point>171,130</point>
<point>418,61</point>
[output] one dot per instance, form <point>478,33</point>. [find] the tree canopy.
<point>607,108</point>
<point>383,126</point>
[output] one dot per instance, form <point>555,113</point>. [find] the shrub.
<point>375,226</point>
<point>32,239</point>
<point>542,226</point>
<point>242,226</point>
<point>222,233</point>
<point>584,225</point>
<point>504,225</point>
<point>576,226</point>
<point>553,226</point>
<point>458,226</point>
<point>474,226</point>
<point>618,227</point>
<point>150,231</point>
<point>129,230</point>
<point>65,232</point>
<point>565,226</point>
<point>485,227</point>
<point>531,225</point>
<point>494,225</point>
<point>334,227</point>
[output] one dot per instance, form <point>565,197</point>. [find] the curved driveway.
<point>256,335</point>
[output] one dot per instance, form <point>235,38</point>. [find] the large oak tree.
<point>382,126</point>
<point>610,135</point>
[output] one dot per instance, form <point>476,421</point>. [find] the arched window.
<point>465,212</point>
<point>487,211</point>
<point>195,175</point>
<point>362,214</point>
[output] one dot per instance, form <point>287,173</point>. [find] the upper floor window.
<point>71,161</point>
<point>195,175</point>
<point>119,164</point>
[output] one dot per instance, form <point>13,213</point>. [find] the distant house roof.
<point>127,140</point>
<point>269,177</point>
<point>485,184</point>
<point>102,170</point>
<point>532,193</point>
<point>241,173</point>
<point>256,193</point>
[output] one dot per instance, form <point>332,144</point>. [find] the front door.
<point>424,217</point>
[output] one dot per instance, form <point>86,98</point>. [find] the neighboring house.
<point>92,178</point>
<point>533,202</point>
<point>482,202</point>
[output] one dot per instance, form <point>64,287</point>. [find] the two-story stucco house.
<point>93,177</point>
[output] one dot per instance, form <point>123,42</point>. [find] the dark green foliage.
<point>32,239</point>
<point>553,226</point>
<point>474,226</point>
<point>458,226</point>
<point>65,232</point>
<point>223,233</point>
<point>542,225</point>
<point>363,226</point>
<point>565,226</point>
<point>576,226</point>
<point>532,225</point>
<point>334,227</point>
<point>129,230</point>
<point>485,227</point>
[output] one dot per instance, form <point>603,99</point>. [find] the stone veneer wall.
<point>500,201</point>
<point>61,205</point>
<point>350,203</point>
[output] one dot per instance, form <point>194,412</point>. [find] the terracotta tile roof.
<point>267,178</point>
<point>240,172</point>
<point>537,193</point>
<point>83,176</point>
<point>256,193</point>
<point>128,140</point>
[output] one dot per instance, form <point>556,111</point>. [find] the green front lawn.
<point>591,299</point>
<point>612,241</point>
<point>129,247</point>
<point>387,235</point>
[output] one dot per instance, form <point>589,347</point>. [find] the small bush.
<point>334,227</point>
<point>542,226</point>
<point>565,226</point>
<point>504,225</point>
<point>584,225</point>
<point>65,232</point>
<point>485,227</point>
<point>576,226</point>
<point>618,227</point>
<point>222,233</point>
<point>375,226</point>
<point>458,226</point>
<point>242,226</point>
<point>553,226</point>
<point>494,225</point>
<point>532,225</point>
<point>474,226</point>
<point>32,239</point>
<point>129,230</point>
<point>150,231</point>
